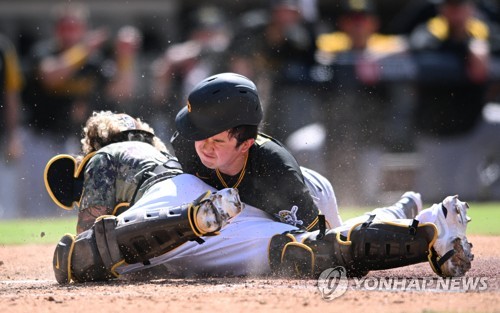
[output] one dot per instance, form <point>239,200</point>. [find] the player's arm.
<point>99,191</point>
<point>56,69</point>
<point>87,217</point>
<point>123,84</point>
<point>284,193</point>
<point>13,84</point>
<point>296,203</point>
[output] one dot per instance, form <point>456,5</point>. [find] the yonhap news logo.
<point>333,283</point>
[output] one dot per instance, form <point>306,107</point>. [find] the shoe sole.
<point>461,261</point>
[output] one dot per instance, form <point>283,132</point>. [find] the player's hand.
<point>95,39</point>
<point>478,61</point>
<point>14,148</point>
<point>368,70</point>
<point>128,41</point>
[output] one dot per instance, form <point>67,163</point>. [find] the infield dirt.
<point>27,284</point>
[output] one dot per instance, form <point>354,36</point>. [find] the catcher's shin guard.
<point>62,258</point>
<point>78,259</point>
<point>368,246</point>
<point>137,236</point>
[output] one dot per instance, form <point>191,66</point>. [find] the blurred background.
<point>379,96</point>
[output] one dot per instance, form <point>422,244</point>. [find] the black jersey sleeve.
<point>278,186</point>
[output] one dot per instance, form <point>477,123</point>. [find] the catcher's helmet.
<point>218,103</point>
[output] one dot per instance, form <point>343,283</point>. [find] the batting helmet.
<point>218,103</point>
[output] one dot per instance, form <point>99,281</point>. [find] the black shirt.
<point>449,103</point>
<point>272,182</point>
<point>50,109</point>
<point>10,76</point>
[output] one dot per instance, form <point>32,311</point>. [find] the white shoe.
<point>453,250</point>
<point>412,208</point>
<point>217,209</point>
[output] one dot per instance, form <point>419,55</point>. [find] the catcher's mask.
<point>64,179</point>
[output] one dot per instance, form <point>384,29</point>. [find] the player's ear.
<point>245,145</point>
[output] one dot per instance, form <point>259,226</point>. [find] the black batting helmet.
<point>218,103</point>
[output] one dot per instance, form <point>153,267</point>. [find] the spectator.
<point>186,63</point>
<point>68,78</point>
<point>11,146</point>
<point>453,54</point>
<point>366,113</point>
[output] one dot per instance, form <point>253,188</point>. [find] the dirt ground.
<point>27,284</point>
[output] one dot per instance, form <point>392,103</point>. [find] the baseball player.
<point>119,154</point>
<point>254,244</point>
<point>167,228</point>
<point>209,235</point>
<point>11,146</point>
<point>218,141</point>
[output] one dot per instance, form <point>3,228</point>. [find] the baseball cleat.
<point>62,259</point>
<point>453,250</point>
<point>218,209</point>
<point>411,203</point>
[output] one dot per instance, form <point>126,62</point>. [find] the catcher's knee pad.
<point>308,258</point>
<point>368,246</point>
<point>78,259</point>
<point>61,261</point>
<point>87,259</point>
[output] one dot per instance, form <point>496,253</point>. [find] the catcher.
<point>119,154</point>
<point>163,227</point>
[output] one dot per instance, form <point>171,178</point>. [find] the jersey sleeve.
<point>281,190</point>
<point>13,77</point>
<point>99,187</point>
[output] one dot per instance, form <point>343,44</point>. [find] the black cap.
<point>456,2</point>
<point>218,103</point>
<point>358,6</point>
<point>207,17</point>
<point>290,4</point>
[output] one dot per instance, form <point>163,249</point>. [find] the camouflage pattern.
<point>112,176</point>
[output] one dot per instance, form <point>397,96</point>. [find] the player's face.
<point>70,31</point>
<point>220,152</point>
